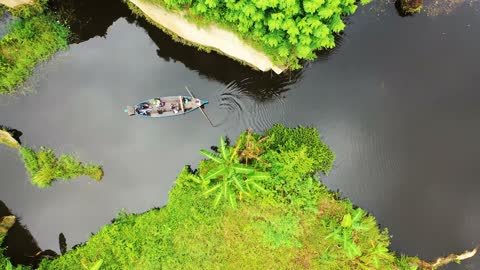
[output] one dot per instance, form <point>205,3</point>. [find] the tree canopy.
<point>286,30</point>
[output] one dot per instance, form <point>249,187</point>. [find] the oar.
<point>204,114</point>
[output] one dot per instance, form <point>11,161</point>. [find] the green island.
<point>256,204</point>
<point>44,167</point>
<point>288,32</point>
<point>34,36</point>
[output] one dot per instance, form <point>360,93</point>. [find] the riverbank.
<point>256,205</point>
<point>266,35</point>
<point>209,37</point>
<point>33,36</point>
<point>253,205</point>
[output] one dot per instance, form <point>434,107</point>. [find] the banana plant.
<point>229,176</point>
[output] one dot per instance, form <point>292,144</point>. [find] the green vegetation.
<point>43,167</point>
<point>33,37</point>
<point>290,221</point>
<point>7,139</point>
<point>287,31</point>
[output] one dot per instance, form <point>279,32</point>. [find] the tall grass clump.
<point>240,210</point>
<point>7,139</point>
<point>288,31</point>
<point>44,167</point>
<point>33,37</point>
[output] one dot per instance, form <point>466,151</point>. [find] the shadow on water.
<point>91,18</point>
<point>16,134</point>
<point>259,85</point>
<point>22,247</point>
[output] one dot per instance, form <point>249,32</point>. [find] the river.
<point>397,101</point>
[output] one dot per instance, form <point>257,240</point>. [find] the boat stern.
<point>130,110</point>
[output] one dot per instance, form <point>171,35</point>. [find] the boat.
<point>166,106</point>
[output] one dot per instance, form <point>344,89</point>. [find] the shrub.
<point>293,139</point>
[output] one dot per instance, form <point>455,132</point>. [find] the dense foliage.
<point>261,231</point>
<point>286,30</point>
<point>43,167</point>
<point>33,37</point>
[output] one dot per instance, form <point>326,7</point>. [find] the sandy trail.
<point>14,3</point>
<point>213,37</point>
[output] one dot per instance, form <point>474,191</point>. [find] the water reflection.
<point>91,18</point>
<point>259,85</point>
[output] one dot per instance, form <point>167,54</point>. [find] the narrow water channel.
<point>397,101</point>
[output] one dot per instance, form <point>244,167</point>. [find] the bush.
<point>294,139</point>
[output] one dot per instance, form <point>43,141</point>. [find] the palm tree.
<point>229,176</point>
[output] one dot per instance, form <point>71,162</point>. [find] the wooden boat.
<point>166,106</point>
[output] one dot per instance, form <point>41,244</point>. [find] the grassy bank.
<point>44,167</point>
<point>32,38</point>
<point>253,205</point>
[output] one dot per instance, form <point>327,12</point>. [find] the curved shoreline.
<point>212,37</point>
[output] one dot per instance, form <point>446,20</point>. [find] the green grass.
<point>44,167</point>
<point>261,231</point>
<point>31,39</point>
<point>7,139</point>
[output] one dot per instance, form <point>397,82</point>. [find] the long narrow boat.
<point>166,106</point>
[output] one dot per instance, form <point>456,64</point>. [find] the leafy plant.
<point>345,231</point>
<point>229,176</point>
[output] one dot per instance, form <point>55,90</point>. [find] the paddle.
<point>204,114</point>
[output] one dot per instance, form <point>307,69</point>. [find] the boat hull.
<point>165,106</point>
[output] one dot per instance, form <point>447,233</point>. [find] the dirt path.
<point>213,37</point>
<point>14,3</point>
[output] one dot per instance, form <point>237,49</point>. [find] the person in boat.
<point>143,110</point>
<point>174,108</point>
<point>158,102</point>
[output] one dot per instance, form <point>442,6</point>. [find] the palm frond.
<point>212,156</point>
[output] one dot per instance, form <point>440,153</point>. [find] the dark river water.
<point>397,101</point>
